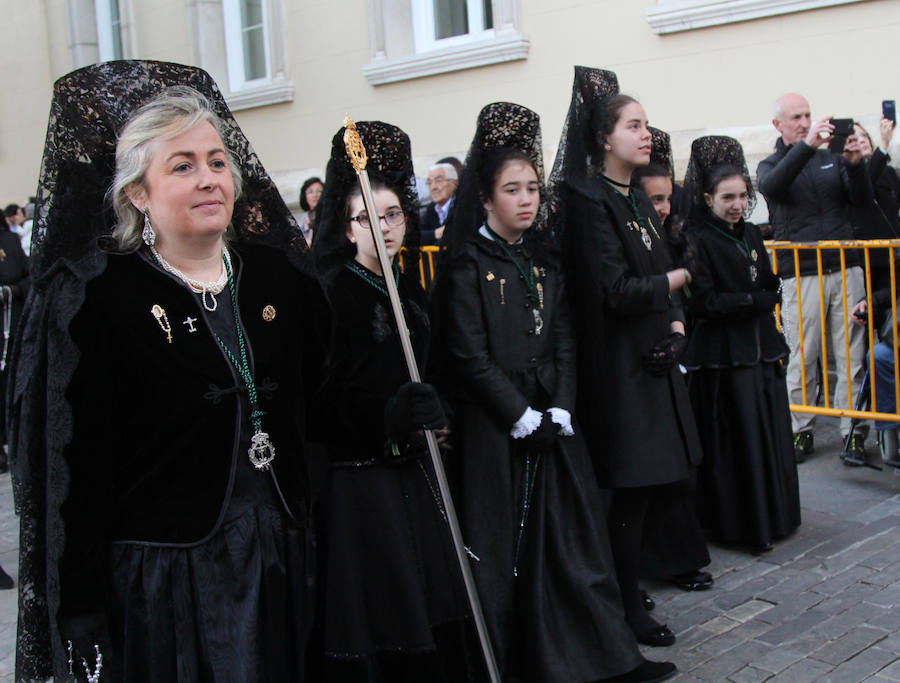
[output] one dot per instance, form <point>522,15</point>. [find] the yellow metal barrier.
<point>843,374</point>
<point>428,258</point>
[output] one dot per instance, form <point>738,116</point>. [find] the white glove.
<point>530,420</point>
<point>563,418</point>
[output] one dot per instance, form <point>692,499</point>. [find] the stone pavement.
<point>824,605</point>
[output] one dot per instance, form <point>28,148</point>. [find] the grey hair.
<point>174,111</point>
<point>448,170</point>
<point>777,110</point>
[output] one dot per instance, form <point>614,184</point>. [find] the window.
<point>109,29</point>
<point>246,43</point>
<point>670,16</point>
<point>442,23</point>
<point>415,38</point>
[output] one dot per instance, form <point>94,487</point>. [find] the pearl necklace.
<point>198,286</point>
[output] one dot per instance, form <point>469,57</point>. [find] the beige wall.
<point>721,79</point>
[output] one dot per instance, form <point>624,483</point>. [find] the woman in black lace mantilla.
<point>157,431</point>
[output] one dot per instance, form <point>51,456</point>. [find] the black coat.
<point>808,191</point>
<point>639,427</point>
<point>156,424</point>
<point>730,327</point>
<point>534,518</point>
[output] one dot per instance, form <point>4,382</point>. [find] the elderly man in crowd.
<point>808,188</point>
<point>442,180</point>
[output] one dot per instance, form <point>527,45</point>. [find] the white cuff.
<point>530,420</point>
<point>563,418</point>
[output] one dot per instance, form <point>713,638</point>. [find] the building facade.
<point>292,68</point>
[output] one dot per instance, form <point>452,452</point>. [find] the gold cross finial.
<point>354,145</point>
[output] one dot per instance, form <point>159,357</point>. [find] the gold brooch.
<point>269,313</point>
<point>489,276</point>
<point>2,254</point>
<point>159,313</point>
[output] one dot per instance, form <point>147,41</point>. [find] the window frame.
<point>672,16</point>
<point>234,46</point>
<point>108,30</point>
<point>424,28</point>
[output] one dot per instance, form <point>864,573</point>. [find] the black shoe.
<point>854,454</point>
<point>647,601</point>
<point>6,581</point>
<point>648,632</point>
<point>803,446</point>
<point>647,672</point>
<point>693,581</point>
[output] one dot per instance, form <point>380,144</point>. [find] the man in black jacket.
<point>808,189</point>
<point>442,181</point>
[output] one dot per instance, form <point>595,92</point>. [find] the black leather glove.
<point>414,407</point>
<point>664,354</point>
<point>765,301</point>
<point>769,281</point>
<point>545,435</point>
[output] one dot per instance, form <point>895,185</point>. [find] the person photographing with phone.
<point>808,188</point>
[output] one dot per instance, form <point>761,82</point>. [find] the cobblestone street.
<point>824,605</point>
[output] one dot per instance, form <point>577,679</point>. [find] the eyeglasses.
<point>437,182</point>
<point>395,218</point>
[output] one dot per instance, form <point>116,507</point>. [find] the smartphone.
<point>843,128</point>
<point>889,110</point>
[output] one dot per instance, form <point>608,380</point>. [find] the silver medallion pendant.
<point>261,451</point>
<point>753,254</point>
<point>646,239</point>
<point>538,321</point>
<point>754,273</point>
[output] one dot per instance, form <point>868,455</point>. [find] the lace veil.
<point>500,124</point>
<point>389,159</point>
<point>707,153</point>
<point>88,110</point>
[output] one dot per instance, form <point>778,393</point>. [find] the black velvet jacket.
<point>728,327</point>
<point>157,423</point>
<point>621,305</point>
<point>366,365</point>
<point>494,355</point>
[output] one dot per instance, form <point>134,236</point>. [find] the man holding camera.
<point>808,187</point>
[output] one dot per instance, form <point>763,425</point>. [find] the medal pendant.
<point>261,451</point>
<point>753,254</point>
<point>754,273</point>
<point>645,238</point>
<point>538,321</point>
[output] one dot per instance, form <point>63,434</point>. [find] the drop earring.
<point>147,233</point>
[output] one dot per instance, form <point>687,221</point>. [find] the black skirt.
<point>545,572</point>
<point>236,607</point>
<point>748,478</point>
<point>393,601</point>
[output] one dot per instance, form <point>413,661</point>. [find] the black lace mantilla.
<point>708,152</point>
<point>500,124</point>
<point>389,158</point>
<point>88,109</point>
<point>579,159</point>
<point>661,151</point>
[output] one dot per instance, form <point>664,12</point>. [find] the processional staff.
<point>357,154</point>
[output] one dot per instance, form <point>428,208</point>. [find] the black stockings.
<point>626,523</point>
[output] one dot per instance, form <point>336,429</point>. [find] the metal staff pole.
<point>357,154</point>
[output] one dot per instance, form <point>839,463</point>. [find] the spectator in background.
<point>879,219</point>
<point>808,189</point>
<point>310,192</point>
<point>26,227</point>
<point>15,216</point>
<point>442,180</point>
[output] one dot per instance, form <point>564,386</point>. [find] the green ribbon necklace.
<point>527,277</point>
<point>642,222</point>
<point>261,451</point>
<point>361,272</point>
<point>743,244</point>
